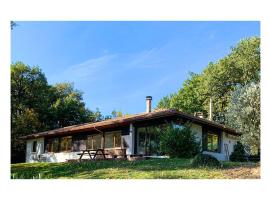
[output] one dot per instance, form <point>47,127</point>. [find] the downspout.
<point>98,130</point>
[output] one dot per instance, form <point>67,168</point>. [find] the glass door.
<point>147,141</point>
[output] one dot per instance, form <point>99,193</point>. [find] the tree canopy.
<point>233,85</point>
<point>218,81</point>
<point>37,106</point>
<point>68,107</point>
<point>244,114</point>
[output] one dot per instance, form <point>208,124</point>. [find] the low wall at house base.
<point>219,156</point>
<point>54,157</point>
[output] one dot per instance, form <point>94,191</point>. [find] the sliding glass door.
<point>148,140</point>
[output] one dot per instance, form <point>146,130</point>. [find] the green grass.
<point>122,169</point>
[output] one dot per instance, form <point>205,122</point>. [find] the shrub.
<point>178,142</point>
<point>205,160</point>
<point>254,158</point>
<point>239,153</point>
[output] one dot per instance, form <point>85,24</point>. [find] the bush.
<point>254,158</point>
<point>179,142</point>
<point>205,160</point>
<point>239,153</point>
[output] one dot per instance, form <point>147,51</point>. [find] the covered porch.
<point>116,143</point>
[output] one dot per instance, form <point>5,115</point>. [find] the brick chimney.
<point>148,104</point>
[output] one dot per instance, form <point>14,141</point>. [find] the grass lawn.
<point>123,169</point>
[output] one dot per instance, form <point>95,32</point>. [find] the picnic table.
<point>92,153</point>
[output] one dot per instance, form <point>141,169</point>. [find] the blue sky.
<point>117,64</point>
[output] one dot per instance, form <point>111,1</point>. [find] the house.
<point>133,133</point>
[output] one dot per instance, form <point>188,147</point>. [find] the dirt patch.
<point>252,172</point>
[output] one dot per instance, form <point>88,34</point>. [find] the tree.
<point>68,107</point>
<point>29,90</point>
<point>244,114</point>
<point>218,81</point>
<point>29,105</point>
<point>37,106</point>
<point>98,116</point>
<point>240,67</point>
<point>189,98</point>
<point>116,114</point>
<point>165,102</point>
<point>24,124</point>
<point>238,153</point>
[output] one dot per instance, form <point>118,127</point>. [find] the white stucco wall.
<point>220,156</point>
<point>197,129</point>
<point>228,139</point>
<point>32,156</point>
<point>62,156</point>
<point>47,157</point>
<point>130,140</point>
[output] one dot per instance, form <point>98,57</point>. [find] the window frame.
<point>212,142</point>
<point>114,133</point>
<point>90,139</point>
<point>210,130</point>
<point>79,138</point>
<point>48,146</point>
<point>68,143</point>
<point>147,140</point>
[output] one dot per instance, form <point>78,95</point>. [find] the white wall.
<point>197,129</point>
<point>59,157</point>
<point>62,156</point>
<point>220,156</point>
<point>130,140</point>
<point>228,139</point>
<point>32,156</point>
<point>47,157</point>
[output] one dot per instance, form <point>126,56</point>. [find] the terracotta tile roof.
<point>126,120</point>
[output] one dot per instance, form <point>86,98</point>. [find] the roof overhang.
<point>124,121</point>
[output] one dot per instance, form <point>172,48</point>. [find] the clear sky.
<point>117,64</point>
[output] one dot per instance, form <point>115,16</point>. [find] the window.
<point>65,143</point>
<point>178,126</point>
<point>113,140</point>
<point>148,140</point>
<point>94,141</point>
<point>212,142</point>
<point>109,140</point>
<point>52,145</point>
<point>142,140</point>
<point>79,143</point>
<point>34,146</point>
<point>89,143</point>
<point>117,140</point>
